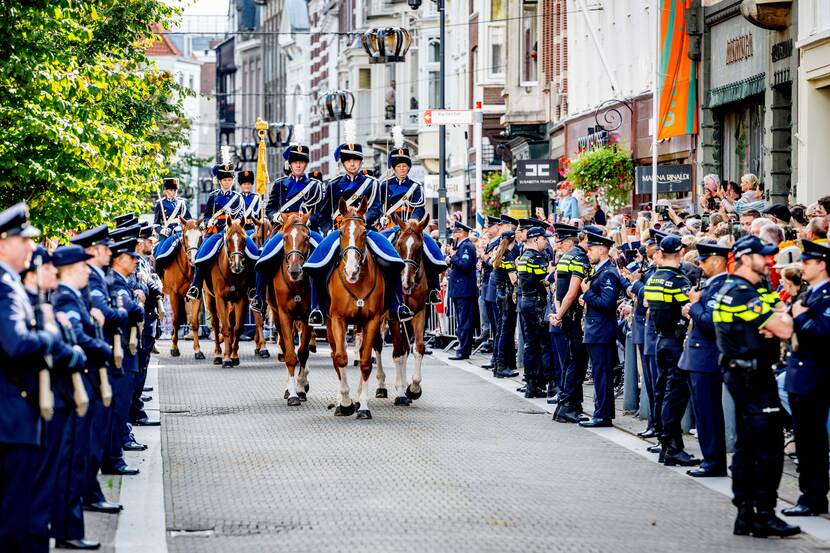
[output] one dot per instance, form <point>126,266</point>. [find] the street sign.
<point>670,178</point>
<point>431,117</point>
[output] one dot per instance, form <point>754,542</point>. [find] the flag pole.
<point>655,109</point>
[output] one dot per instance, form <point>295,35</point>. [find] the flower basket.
<point>605,173</point>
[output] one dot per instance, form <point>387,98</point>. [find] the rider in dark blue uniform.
<point>252,210</point>
<point>166,215</point>
<point>292,194</point>
<point>352,187</point>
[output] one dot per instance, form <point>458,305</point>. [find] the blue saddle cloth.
<point>432,251</point>
<point>323,257</point>
<point>211,245</point>
<point>167,248</point>
<point>272,249</point>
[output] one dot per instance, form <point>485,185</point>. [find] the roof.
<point>163,47</point>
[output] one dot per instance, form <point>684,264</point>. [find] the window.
<point>498,9</point>
<point>364,78</point>
<point>496,52</point>
<point>190,79</point>
<point>434,89</point>
<point>530,53</point>
<point>434,50</point>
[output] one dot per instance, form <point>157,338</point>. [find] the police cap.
<point>125,247</point>
<point>706,250</point>
<point>68,255</point>
<point>752,244</point>
<point>813,250</point>
<point>91,237</point>
<point>14,221</point>
<point>595,239</point>
<point>670,244</point>
<point>508,220</point>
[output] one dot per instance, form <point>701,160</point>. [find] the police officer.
<point>67,514</point>
<point>23,348</point>
<point>488,289</point>
<point>531,269</point>
<point>599,297</point>
<point>807,381</point>
<point>749,330</point>
<point>700,360</point>
<point>504,256</point>
<point>293,194</point>
<point>462,288</point>
<point>571,269</point>
<point>496,227</point>
<point>645,336</point>
<point>150,283</point>
<point>666,292</point>
<point>252,210</point>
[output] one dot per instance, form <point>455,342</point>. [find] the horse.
<point>228,282</point>
<point>177,277</point>
<point>290,301</point>
<point>410,246</point>
<point>261,233</point>
<point>356,287</point>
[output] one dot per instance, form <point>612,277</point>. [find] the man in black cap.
<point>462,288</point>
<point>505,252</point>
<point>488,289</point>
<point>599,295</point>
<point>700,361</point>
<point>749,326</point>
<point>531,268</point>
<point>666,292</point>
<point>808,382</point>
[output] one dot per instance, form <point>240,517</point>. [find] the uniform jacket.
<point>285,198</point>
<point>532,270</point>
<point>462,278</point>
<point>172,211</point>
<point>393,190</point>
<point>231,201</point>
<point>807,368</point>
<point>253,205</point>
<point>346,187</point>
<point>135,313</point>
<point>649,332</point>
<point>701,350</point>
<point>600,319</point>
<point>489,285</point>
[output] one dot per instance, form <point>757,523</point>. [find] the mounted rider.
<point>166,215</point>
<point>353,186</point>
<point>253,202</point>
<point>223,204</point>
<point>404,196</point>
<point>293,194</point>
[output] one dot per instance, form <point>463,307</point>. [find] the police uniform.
<point>573,264</point>
<point>700,360</point>
<point>808,385</point>
<point>505,349</point>
<point>463,292</point>
<point>666,293</point>
<point>531,268</point>
<point>150,284</point>
<point>746,358</point>
<point>488,289</point>
<point>600,331</point>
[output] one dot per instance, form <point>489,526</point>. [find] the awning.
<point>736,92</point>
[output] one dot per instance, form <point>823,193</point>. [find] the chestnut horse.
<point>290,301</point>
<point>177,277</point>
<point>356,288</point>
<point>261,234</point>
<point>410,246</point>
<point>229,280</point>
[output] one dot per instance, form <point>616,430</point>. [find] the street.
<point>468,467</point>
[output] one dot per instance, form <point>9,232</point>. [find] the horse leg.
<point>358,340</point>
<point>381,391</point>
<point>237,322</point>
<point>336,332</point>
<point>302,354</point>
<point>175,309</point>
<point>195,314</point>
<point>400,353</point>
<point>259,337</point>
<point>225,327</point>
<point>216,326</point>
<point>287,333</point>
<point>413,391</point>
<point>371,329</point>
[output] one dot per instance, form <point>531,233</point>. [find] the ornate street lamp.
<point>336,105</point>
<point>386,44</point>
<point>279,134</point>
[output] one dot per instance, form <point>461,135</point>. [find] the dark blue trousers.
<point>100,418</point>
<point>122,393</point>
<point>536,353</point>
<point>506,356</point>
<point>649,376</point>
<point>576,365</point>
<point>137,406</point>
<point>464,318</point>
<point>67,506</point>
<point>492,313</point>
<point>602,369</point>
<point>52,456</point>
<point>707,391</point>
<point>675,390</point>
<point>18,464</point>
<point>559,353</point>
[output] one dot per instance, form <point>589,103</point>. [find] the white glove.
<point>384,220</point>
<point>165,232</point>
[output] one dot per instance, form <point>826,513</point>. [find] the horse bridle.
<point>231,254</point>
<point>289,253</point>
<point>361,252</point>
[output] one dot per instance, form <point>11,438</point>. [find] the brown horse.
<point>290,301</point>
<point>177,277</point>
<point>410,246</point>
<point>230,277</point>
<point>262,232</point>
<point>356,288</point>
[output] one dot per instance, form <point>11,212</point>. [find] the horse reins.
<point>361,254</point>
<point>288,254</point>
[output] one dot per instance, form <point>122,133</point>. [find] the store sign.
<point>597,137</point>
<point>670,178</point>
<point>536,175</point>
<point>739,52</point>
<point>739,48</point>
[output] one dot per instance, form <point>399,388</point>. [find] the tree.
<point>87,122</point>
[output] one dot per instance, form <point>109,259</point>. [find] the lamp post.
<point>442,131</point>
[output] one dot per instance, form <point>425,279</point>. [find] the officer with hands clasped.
<point>462,288</point>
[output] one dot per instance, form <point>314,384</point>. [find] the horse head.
<point>352,238</point>
<point>235,239</point>
<point>410,246</point>
<point>263,231</point>
<point>191,237</point>
<point>295,238</point>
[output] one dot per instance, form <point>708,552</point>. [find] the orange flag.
<point>678,85</point>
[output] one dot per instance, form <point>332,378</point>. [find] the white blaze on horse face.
<point>406,268</point>
<point>192,243</point>
<point>352,268</point>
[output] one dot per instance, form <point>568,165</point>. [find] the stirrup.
<point>257,305</point>
<point>434,298</point>
<point>251,294</point>
<point>404,313</point>
<point>192,293</point>
<point>316,318</point>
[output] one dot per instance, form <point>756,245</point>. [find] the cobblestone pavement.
<point>468,467</point>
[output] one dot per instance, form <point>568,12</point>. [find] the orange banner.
<point>678,79</point>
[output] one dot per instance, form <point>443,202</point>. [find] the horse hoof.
<point>312,348</point>
<point>199,355</point>
<point>356,362</point>
<point>294,402</point>
<point>227,364</point>
<point>286,395</point>
<point>302,396</point>
<point>412,395</point>
<point>175,353</point>
<point>364,415</point>
<point>307,387</point>
<point>264,354</point>
<point>381,393</point>
<point>256,351</point>
<point>402,401</point>
<point>280,357</point>
<point>235,361</point>
<point>217,360</point>
<point>344,411</point>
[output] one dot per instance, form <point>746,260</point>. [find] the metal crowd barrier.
<point>441,324</point>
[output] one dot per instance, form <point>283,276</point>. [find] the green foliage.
<point>607,172</point>
<point>87,122</point>
<point>490,200</point>
<point>182,168</point>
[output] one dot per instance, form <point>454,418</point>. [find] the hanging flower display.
<point>606,172</point>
